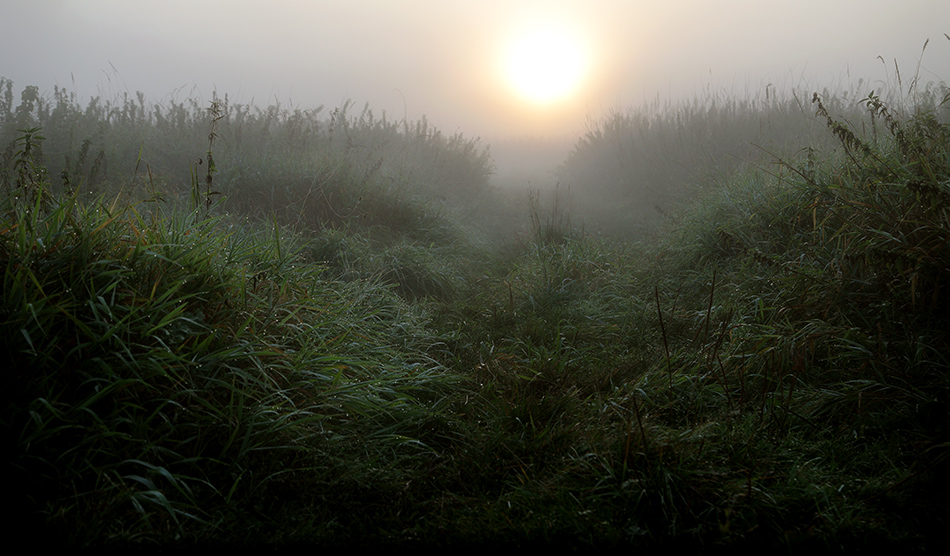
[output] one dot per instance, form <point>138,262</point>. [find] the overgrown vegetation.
<point>634,168</point>
<point>330,350</point>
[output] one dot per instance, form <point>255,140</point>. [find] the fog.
<point>441,59</point>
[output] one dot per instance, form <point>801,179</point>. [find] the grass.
<point>163,362</point>
<point>633,169</point>
<point>333,352</point>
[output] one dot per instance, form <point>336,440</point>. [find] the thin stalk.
<point>666,345</point>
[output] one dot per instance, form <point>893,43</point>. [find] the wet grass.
<point>770,374</point>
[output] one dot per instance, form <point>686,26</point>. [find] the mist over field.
<point>444,60</point>
<point>420,275</point>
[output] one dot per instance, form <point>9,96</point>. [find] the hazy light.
<point>457,63</point>
<point>545,65</point>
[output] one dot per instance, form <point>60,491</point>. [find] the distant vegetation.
<point>635,168</point>
<point>234,325</point>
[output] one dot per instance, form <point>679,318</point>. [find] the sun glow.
<point>545,66</point>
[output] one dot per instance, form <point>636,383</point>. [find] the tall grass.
<point>312,168</point>
<point>367,370</point>
<point>636,168</point>
<point>778,361</point>
<point>165,372</point>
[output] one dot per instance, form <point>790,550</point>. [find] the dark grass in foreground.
<point>773,374</point>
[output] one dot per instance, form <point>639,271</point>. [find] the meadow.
<point>725,328</point>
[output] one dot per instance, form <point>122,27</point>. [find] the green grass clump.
<point>828,318</point>
<point>165,373</point>
<point>310,168</point>
<point>636,168</point>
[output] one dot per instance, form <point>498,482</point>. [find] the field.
<point>725,328</point>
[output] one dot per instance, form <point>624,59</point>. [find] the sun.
<point>544,66</point>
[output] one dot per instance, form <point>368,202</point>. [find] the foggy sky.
<point>440,58</point>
